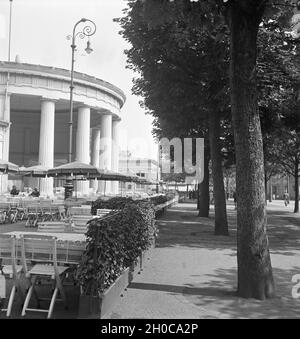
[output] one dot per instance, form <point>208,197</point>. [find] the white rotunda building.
<point>34,121</point>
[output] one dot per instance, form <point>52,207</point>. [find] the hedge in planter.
<point>115,203</point>
<point>113,244</point>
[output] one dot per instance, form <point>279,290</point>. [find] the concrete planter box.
<point>136,268</point>
<point>146,254</point>
<point>95,307</point>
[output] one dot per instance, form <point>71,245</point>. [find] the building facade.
<point>147,169</point>
<point>35,120</point>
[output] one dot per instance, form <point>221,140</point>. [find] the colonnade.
<point>103,141</point>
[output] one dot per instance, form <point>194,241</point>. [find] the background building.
<point>147,169</point>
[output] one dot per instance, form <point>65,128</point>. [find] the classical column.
<point>4,136</point>
<point>105,150</point>
<point>115,154</point>
<point>83,143</point>
<point>95,154</point>
<point>46,147</point>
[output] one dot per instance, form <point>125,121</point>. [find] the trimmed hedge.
<point>117,203</point>
<point>113,244</point>
<point>158,200</point>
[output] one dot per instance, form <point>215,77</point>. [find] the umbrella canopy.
<point>132,176</point>
<point>111,176</point>
<point>34,171</point>
<point>8,167</point>
<point>74,168</point>
<point>145,182</point>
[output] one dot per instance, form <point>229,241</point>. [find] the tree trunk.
<point>266,189</point>
<point>221,225</point>
<point>203,190</point>
<point>270,190</point>
<point>296,208</point>
<point>255,277</point>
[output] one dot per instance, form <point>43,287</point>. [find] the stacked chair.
<point>4,208</point>
<point>10,269</point>
<point>79,217</point>
<point>41,250</point>
<point>33,213</point>
<point>42,259</point>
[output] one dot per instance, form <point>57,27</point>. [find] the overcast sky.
<point>39,31</point>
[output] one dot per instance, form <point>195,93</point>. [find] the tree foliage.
<point>190,56</point>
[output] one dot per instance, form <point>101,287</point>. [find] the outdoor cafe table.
<point>70,246</point>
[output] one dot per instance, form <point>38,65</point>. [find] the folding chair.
<point>79,223</point>
<point>47,214</point>
<point>59,212</point>
<point>22,211</point>
<point>69,253</point>
<point>13,211</point>
<point>4,207</point>
<point>10,269</point>
<point>41,250</point>
<point>33,214</point>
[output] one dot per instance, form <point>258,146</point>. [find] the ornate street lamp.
<point>88,30</point>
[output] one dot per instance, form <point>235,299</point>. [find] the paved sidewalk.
<point>192,273</point>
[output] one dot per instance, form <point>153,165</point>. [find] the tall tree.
<point>182,86</point>
<point>255,278</point>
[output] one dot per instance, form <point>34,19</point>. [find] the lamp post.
<point>88,30</point>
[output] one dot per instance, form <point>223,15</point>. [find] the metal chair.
<point>59,212</point>
<point>79,223</point>
<point>42,251</point>
<point>47,212</point>
<point>22,210</point>
<point>33,214</point>
<point>13,211</point>
<point>4,208</point>
<point>10,269</point>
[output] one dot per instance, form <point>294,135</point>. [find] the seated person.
<point>14,190</point>
<point>35,193</point>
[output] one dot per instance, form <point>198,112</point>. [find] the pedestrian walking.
<point>286,198</point>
